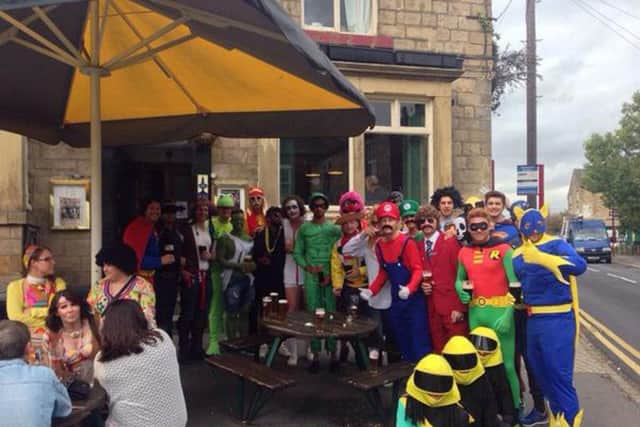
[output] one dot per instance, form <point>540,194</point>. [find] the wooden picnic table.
<point>301,324</point>
<point>81,409</point>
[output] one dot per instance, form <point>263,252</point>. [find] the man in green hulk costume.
<point>486,263</point>
<point>218,226</point>
<point>312,252</point>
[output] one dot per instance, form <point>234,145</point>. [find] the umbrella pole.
<point>96,141</point>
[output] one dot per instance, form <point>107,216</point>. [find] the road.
<point>611,294</point>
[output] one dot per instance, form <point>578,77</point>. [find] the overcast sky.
<point>588,72</point>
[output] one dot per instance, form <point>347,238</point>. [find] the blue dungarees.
<point>408,318</point>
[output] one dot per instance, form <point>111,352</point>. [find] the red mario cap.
<point>388,209</point>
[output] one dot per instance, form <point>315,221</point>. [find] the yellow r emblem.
<point>495,254</point>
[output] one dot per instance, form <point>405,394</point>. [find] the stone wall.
<point>448,26</point>
<point>235,161</point>
<point>71,248</point>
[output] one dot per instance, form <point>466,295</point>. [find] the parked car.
<point>588,237</point>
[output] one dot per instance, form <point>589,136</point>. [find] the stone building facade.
<point>424,63</point>
<point>582,202</point>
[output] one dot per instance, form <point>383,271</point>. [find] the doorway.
<point>131,174</point>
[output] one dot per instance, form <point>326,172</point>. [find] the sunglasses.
<point>318,206</point>
<point>291,207</point>
<point>479,226</point>
<point>46,259</point>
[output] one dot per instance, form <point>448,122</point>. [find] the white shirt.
<point>358,246</point>
<point>433,239</point>
<point>202,238</point>
<point>144,389</point>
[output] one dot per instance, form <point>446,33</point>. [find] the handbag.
<point>78,389</point>
<point>239,293</point>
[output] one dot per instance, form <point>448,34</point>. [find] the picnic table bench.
<point>370,382</point>
<point>266,380</point>
<point>248,343</point>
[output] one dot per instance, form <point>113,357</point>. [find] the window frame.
<point>373,27</point>
<point>396,129</point>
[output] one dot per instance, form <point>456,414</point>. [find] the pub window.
<point>396,150</point>
<point>309,165</point>
<point>347,16</point>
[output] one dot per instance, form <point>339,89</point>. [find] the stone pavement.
<point>629,260</point>
<point>608,398</point>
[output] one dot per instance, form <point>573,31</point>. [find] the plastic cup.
<point>283,307</point>
<point>266,307</point>
<point>467,286</point>
<point>374,360</point>
<point>320,314</point>
<point>515,288</point>
<point>427,276</point>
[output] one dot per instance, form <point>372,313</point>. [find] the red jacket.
<point>443,264</point>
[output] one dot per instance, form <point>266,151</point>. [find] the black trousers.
<point>166,289</point>
<point>520,317</point>
<point>194,309</point>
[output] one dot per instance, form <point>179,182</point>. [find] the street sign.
<point>528,179</point>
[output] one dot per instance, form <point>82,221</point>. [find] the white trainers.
<point>262,351</point>
<point>292,360</point>
<point>284,350</point>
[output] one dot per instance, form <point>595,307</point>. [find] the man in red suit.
<point>439,254</point>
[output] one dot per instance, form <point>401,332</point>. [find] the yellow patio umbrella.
<point>144,71</point>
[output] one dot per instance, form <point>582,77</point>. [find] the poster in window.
<point>237,192</point>
<point>69,204</point>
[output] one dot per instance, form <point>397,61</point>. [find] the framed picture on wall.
<point>69,204</point>
<point>235,191</point>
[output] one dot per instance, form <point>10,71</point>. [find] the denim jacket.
<point>30,395</point>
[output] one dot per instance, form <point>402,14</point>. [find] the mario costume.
<point>433,398</point>
<point>488,266</point>
<point>400,263</point>
<point>547,266</point>
<point>254,217</point>
<point>408,209</point>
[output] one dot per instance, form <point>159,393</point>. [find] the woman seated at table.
<point>119,264</point>
<point>138,368</point>
<point>71,340</point>
<point>28,298</point>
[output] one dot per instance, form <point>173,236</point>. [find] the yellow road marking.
<point>615,350</point>
<point>628,347</point>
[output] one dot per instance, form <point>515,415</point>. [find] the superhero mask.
<point>464,360</point>
<point>532,220</point>
<point>432,382</point>
<point>487,345</point>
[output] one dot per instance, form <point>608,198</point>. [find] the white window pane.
<point>308,165</point>
<point>394,162</point>
<point>382,110</point>
<point>318,13</point>
<point>355,16</point>
<point>412,114</point>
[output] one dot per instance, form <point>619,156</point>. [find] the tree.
<point>509,71</point>
<point>613,165</point>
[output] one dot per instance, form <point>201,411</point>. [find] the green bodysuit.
<point>313,247</point>
<point>490,270</point>
<point>218,229</point>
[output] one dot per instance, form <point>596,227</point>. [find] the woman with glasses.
<point>28,298</point>
<point>485,273</point>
